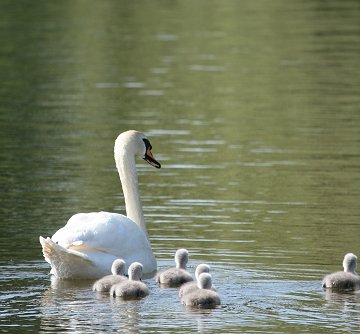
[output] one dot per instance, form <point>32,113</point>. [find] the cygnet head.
<point>136,143</point>
<point>201,268</point>
<point>135,271</point>
<point>181,258</point>
<point>118,267</point>
<point>350,262</point>
<point>204,281</point>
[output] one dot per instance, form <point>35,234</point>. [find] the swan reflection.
<point>346,306</point>
<point>72,306</point>
<point>201,316</point>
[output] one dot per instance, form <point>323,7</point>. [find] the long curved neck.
<point>129,180</point>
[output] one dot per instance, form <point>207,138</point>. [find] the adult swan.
<point>89,243</point>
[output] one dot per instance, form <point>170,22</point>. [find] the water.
<point>252,109</point>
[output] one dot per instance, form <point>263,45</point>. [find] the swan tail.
<point>65,263</point>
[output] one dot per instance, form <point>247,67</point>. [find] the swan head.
<point>118,267</point>
<point>201,268</point>
<point>181,258</point>
<point>136,143</point>
<point>204,281</point>
<point>135,271</point>
<point>350,262</point>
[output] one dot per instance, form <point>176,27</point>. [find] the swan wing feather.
<point>102,231</point>
<point>98,238</point>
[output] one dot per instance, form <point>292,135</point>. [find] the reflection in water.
<point>253,107</point>
<point>348,298</point>
<point>126,314</point>
<point>72,306</point>
<point>348,304</point>
<point>63,285</point>
<point>201,316</point>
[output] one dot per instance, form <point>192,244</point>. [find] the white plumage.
<point>89,243</point>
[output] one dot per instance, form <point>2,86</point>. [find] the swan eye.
<point>147,144</point>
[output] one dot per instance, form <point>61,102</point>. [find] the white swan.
<point>174,277</point>
<point>89,243</point>
<point>105,283</point>
<point>192,286</point>
<point>344,280</point>
<point>131,288</point>
<point>203,296</point>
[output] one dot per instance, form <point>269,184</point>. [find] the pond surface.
<point>252,108</point>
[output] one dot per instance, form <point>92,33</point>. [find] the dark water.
<point>252,108</point>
